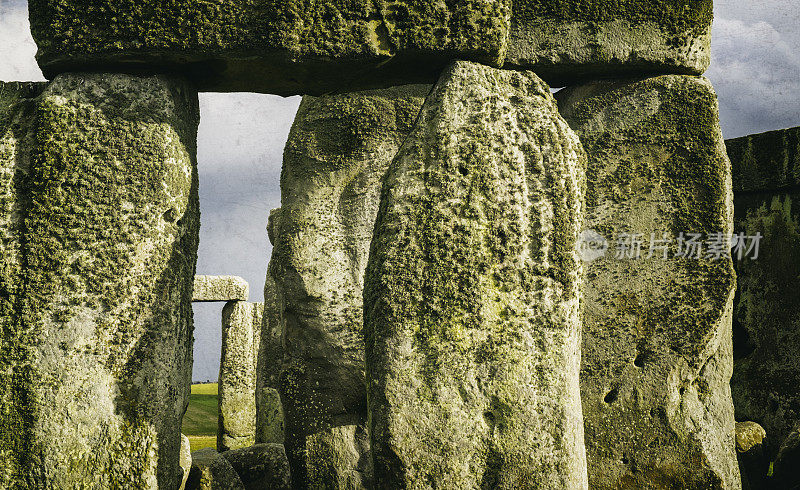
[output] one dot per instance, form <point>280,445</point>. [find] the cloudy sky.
<point>756,71</point>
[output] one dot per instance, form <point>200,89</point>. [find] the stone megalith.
<point>284,47</point>
<point>262,466</point>
<point>565,40</point>
<point>472,294</point>
<point>241,336</point>
<point>100,343</point>
<point>766,373</point>
<point>269,410</point>
<point>18,104</point>
<point>212,471</point>
<point>657,355</point>
<point>338,151</point>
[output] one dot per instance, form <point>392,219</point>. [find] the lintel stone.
<point>220,288</point>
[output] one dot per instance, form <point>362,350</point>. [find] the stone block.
<point>261,466</point>
<point>564,41</point>
<point>657,354</point>
<point>337,153</point>
<point>185,460</point>
<point>220,289</point>
<point>274,46</point>
<point>316,47</point>
<point>212,471</point>
<point>766,373</point>
<point>241,324</point>
<point>750,451</point>
<point>269,411</point>
<point>472,293</point>
<point>97,351</point>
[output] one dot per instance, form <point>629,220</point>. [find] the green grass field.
<point>200,421</point>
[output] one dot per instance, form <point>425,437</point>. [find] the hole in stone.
<point>171,215</point>
<point>639,361</point>
<point>463,170</point>
<point>625,460</point>
<point>612,396</point>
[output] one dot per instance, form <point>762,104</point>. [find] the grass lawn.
<point>200,421</point>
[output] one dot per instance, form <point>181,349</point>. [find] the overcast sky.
<point>755,69</point>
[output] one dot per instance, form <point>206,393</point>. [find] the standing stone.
<point>565,40</point>
<point>241,325</point>
<point>338,151</point>
<point>472,293</point>
<point>766,373</point>
<point>212,471</point>
<point>284,47</point>
<point>269,411</point>
<point>263,466</point>
<point>657,355</point>
<point>102,325</point>
<point>18,105</point>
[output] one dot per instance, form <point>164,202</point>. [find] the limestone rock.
<point>472,293</point>
<point>241,324</point>
<point>766,374</point>
<point>185,460</point>
<point>212,471</point>
<point>100,345</point>
<point>219,289</point>
<point>563,41</point>
<point>786,474</point>
<point>766,162</point>
<point>657,355</point>
<point>338,150</point>
<point>283,47</point>
<point>261,466</point>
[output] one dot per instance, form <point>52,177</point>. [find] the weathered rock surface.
<point>282,47</point>
<point>316,47</point>
<point>472,293</point>
<point>753,463</point>
<point>269,411</point>
<point>263,466</point>
<point>212,471</point>
<point>17,137</point>
<point>337,153</point>
<point>241,336</point>
<point>99,350</point>
<point>185,460</point>
<point>563,41</point>
<point>786,475</point>
<point>219,289</point>
<point>766,374</point>
<point>657,355</point>
<point>766,162</point>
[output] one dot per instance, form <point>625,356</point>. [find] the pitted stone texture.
<point>212,471</point>
<point>284,47</point>
<point>337,153</point>
<point>766,162</point>
<point>568,40</point>
<point>241,336</point>
<point>17,138</point>
<point>472,293</point>
<point>104,330</point>
<point>766,373</point>
<point>657,354</point>
<point>185,460</point>
<point>269,411</point>
<point>219,289</point>
<point>263,466</point>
